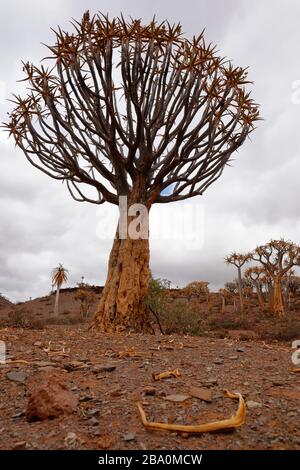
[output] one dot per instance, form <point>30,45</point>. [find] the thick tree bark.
<point>122,306</point>
<point>278,307</point>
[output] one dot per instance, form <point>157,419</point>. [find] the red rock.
<point>201,393</point>
<point>50,400</point>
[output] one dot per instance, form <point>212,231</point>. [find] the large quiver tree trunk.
<point>122,306</point>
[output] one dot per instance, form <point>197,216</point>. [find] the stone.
<point>74,365</point>
<point>177,398</point>
<point>291,414</point>
<point>42,364</point>
<point>93,412</point>
<point>39,344</point>
<point>46,368</point>
<point>129,436</point>
<point>218,361</point>
<point>149,390</point>
<point>50,400</point>
<point>19,376</point>
<point>86,398</point>
<point>93,421</point>
<point>277,383</point>
<point>100,369</point>
<point>116,392</point>
<point>201,393</point>
<point>253,404</point>
<point>71,439</point>
<point>240,350</point>
<point>210,382</point>
<point>21,445</point>
<point>233,358</point>
<point>20,414</point>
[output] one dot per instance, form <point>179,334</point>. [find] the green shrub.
<point>179,317</point>
<point>173,316</point>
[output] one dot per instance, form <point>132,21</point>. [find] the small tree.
<point>157,298</point>
<point>197,289</point>
<point>133,111</point>
<point>86,298</point>
<point>277,257</point>
<point>59,276</point>
<point>226,297</point>
<point>255,274</point>
<point>232,287</point>
<point>287,286</point>
<point>238,260</point>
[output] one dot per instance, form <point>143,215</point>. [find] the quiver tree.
<point>287,286</point>
<point>292,283</point>
<point>227,297</point>
<point>255,275</point>
<point>86,299</point>
<point>238,260</point>
<point>59,276</point>
<point>277,257</point>
<point>198,289</point>
<point>132,110</point>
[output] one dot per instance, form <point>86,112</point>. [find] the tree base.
<point>122,307</point>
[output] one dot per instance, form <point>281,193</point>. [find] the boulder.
<point>49,400</point>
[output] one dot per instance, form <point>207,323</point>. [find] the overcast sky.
<point>255,200</point>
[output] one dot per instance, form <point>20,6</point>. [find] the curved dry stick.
<point>234,422</point>
<point>164,375</point>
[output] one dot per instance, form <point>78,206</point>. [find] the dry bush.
<point>228,324</point>
<point>3,322</point>
<point>66,312</point>
<point>35,324</point>
<point>23,318</point>
<point>71,319</point>
<point>86,298</point>
<point>284,330</point>
<point>17,317</point>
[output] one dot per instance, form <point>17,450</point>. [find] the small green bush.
<point>180,318</point>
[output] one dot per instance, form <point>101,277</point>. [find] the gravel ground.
<point>107,417</point>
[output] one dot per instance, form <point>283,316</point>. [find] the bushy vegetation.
<point>174,316</point>
<point>22,318</point>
